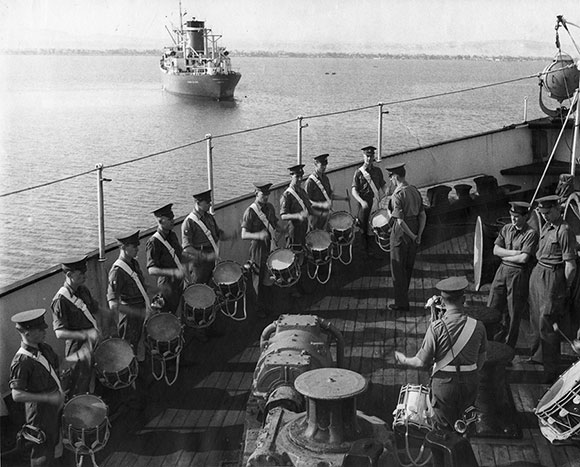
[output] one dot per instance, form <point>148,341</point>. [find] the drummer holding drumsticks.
<point>165,260</point>
<point>456,346</point>
<point>34,382</point>
<point>75,313</point>
<point>126,292</point>
<point>320,193</point>
<point>260,225</point>
<point>368,188</point>
<point>296,207</point>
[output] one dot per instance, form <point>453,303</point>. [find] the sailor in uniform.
<point>126,293</point>
<point>201,236</point>
<point>260,226</point>
<point>320,193</point>
<point>165,261</point>
<point>34,381</point>
<point>295,207</point>
<point>368,188</point>
<point>75,314</point>
<point>456,345</point>
<point>550,284</point>
<point>409,218</point>
<point>516,246</point>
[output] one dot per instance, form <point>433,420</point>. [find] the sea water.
<point>63,114</point>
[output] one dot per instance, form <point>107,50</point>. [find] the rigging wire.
<point>401,101</point>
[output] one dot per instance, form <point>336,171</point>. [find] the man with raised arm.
<point>368,187</point>
<point>34,381</point>
<point>455,347</point>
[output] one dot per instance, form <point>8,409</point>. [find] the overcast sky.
<point>266,24</point>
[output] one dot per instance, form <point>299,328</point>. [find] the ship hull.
<point>217,87</point>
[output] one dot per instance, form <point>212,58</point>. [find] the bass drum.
<point>559,409</point>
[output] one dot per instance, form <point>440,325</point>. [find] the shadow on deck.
<point>199,421</point>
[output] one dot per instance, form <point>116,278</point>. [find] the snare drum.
<point>164,335</point>
<point>414,413</point>
<point>341,225</point>
<point>115,363</point>
<point>284,266</point>
<point>85,425</point>
<point>559,409</point>
<point>380,221</point>
<point>199,307</point>
<point>318,247</point>
<point>228,276</point>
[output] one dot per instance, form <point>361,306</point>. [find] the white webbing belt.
<point>320,185</point>
<point>44,362</point>
<point>171,250</point>
<point>266,223</point>
<point>76,301</point>
<point>207,233</point>
<point>125,267</point>
<point>466,333</point>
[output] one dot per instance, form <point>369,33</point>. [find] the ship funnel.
<point>195,39</point>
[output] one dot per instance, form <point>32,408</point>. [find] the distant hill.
<point>458,55</point>
<point>25,41</point>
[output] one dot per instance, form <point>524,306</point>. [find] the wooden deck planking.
<point>356,306</point>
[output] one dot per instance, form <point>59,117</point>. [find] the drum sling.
<point>192,216</point>
<point>40,358</point>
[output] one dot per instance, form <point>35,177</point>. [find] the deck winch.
<point>289,347</point>
<point>330,433</point>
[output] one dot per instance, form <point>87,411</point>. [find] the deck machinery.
<point>302,409</point>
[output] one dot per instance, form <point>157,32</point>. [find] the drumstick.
<point>348,199</point>
<point>574,347</point>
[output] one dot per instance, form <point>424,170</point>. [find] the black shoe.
<point>394,307</point>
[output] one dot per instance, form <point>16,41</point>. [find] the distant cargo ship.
<point>195,65</point>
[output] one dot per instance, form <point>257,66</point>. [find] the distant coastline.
<point>277,54</point>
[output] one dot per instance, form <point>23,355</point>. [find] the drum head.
<point>227,272</point>
<point>318,240</point>
<point>84,411</point>
<point>340,220</point>
<point>380,218</point>
<point>562,387</point>
<point>199,296</point>
<point>281,259</point>
<point>113,355</point>
<point>163,327</point>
